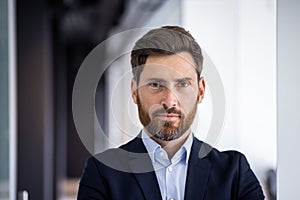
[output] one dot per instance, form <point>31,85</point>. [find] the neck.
<point>171,147</point>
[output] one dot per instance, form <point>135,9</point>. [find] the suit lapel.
<point>142,168</point>
<point>197,174</point>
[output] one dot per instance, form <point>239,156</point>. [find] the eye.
<point>183,84</point>
<point>154,85</point>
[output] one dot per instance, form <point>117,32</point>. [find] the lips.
<point>168,116</point>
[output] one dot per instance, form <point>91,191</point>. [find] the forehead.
<point>169,66</point>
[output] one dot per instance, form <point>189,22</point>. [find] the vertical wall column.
<point>288,98</point>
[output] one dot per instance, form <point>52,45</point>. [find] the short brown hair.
<point>166,40</point>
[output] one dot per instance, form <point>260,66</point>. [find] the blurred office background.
<point>44,42</point>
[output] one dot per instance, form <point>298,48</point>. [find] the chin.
<point>167,136</point>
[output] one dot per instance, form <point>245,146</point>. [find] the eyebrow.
<point>156,80</point>
<point>160,80</point>
<point>183,79</point>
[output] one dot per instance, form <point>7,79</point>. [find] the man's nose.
<point>170,99</point>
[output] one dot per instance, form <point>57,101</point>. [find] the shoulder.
<point>233,167</point>
<point>119,158</point>
<point>205,150</point>
<point>231,161</point>
<point>135,145</point>
<point>230,156</point>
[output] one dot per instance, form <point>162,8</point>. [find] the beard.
<point>163,129</point>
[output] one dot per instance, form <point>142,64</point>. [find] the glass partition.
<point>7,103</point>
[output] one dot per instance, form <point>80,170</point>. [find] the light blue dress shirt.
<point>171,174</point>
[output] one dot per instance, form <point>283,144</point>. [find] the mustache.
<point>162,111</point>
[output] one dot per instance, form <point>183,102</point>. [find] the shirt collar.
<point>153,147</point>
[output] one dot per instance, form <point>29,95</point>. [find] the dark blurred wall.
<point>35,108</point>
<point>53,38</point>
<point>78,26</point>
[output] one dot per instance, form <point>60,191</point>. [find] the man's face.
<point>168,94</point>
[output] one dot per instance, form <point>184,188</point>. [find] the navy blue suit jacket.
<point>124,174</point>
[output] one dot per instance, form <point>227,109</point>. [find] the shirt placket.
<point>171,188</point>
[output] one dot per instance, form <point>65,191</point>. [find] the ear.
<point>201,89</point>
<point>134,90</point>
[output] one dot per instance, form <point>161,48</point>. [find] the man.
<point>164,160</point>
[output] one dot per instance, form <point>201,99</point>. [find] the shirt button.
<point>170,170</point>
<point>171,199</point>
<point>161,154</point>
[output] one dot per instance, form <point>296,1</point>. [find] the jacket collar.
<point>142,169</point>
<point>198,172</point>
